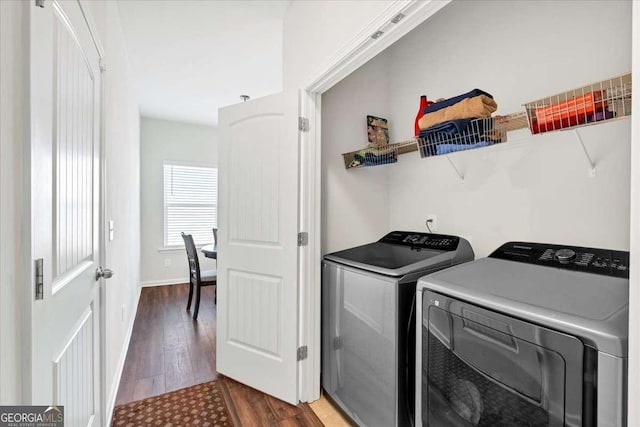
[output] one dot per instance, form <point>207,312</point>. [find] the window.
<point>190,197</point>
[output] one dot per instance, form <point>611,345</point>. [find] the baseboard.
<point>166,282</point>
<point>111,402</point>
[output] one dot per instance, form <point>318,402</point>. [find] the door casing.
<point>353,55</point>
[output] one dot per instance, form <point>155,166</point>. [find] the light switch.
<point>110,230</point>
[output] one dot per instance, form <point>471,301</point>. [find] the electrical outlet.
<point>432,222</point>
<point>167,262</point>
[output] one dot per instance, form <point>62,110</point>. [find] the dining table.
<point>210,251</point>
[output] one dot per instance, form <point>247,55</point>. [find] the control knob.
<point>565,255</point>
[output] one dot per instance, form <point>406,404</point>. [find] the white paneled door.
<point>64,363</point>
<point>257,249</point>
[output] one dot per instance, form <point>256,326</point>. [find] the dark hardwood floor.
<point>169,351</point>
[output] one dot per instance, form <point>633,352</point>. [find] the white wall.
<point>12,81</point>
<point>314,31</point>
<point>534,188</point>
<point>355,203</point>
<point>166,140</point>
<point>122,160</point>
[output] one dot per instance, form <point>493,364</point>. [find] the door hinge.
<point>303,124</point>
<point>39,279</point>
<point>103,67</point>
<point>40,3</point>
<point>302,353</point>
<point>303,238</point>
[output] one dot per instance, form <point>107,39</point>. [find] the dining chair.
<point>197,278</point>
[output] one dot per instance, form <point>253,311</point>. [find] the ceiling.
<point>190,58</point>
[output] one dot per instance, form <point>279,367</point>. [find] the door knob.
<point>103,272</point>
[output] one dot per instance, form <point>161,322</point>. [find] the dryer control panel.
<point>589,260</point>
<point>441,242</point>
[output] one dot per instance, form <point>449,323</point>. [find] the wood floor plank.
<point>129,372</point>
<point>281,409</point>
<point>154,330</point>
<point>147,387</point>
<point>151,358</point>
<point>211,333</point>
<point>177,368</point>
<point>169,350</point>
<point>125,391</point>
<point>203,361</point>
<point>174,335</point>
<point>251,406</point>
<point>195,332</point>
<point>303,419</point>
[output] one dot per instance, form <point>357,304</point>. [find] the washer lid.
<point>402,252</point>
<point>594,307</point>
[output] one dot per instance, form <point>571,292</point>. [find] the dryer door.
<point>481,368</point>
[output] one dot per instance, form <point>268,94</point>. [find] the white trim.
<point>195,164</point>
<point>88,312</point>
<point>102,232</point>
<point>110,400</point>
<point>15,51</point>
<point>354,54</point>
<point>67,277</point>
<point>309,305</point>
<point>176,249</point>
<point>362,47</point>
<point>633,381</point>
<point>164,282</point>
<point>94,32</point>
<point>172,249</point>
<point>27,220</point>
<point>67,22</point>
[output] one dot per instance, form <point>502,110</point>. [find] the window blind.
<point>190,197</point>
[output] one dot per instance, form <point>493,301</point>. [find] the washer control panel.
<point>590,260</point>
<point>422,240</point>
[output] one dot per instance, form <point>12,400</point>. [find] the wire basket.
<point>509,122</point>
<point>377,156</point>
<point>604,100</point>
<point>459,135</point>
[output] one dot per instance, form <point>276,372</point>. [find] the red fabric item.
<point>423,104</point>
<point>570,112</point>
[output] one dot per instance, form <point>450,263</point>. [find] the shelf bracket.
<point>460,175</point>
<point>592,165</point>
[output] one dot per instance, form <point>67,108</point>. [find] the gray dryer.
<point>534,335</point>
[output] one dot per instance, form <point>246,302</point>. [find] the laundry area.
<point>475,221</point>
